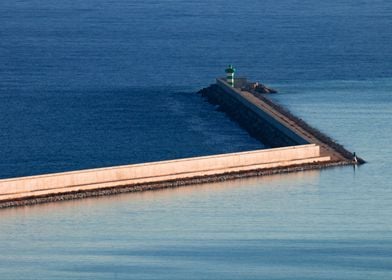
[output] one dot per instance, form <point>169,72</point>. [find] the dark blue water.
<point>64,130</point>
<point>97,83</point>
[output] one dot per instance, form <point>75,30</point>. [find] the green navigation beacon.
<point>230,75</point>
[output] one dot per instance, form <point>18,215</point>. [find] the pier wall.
<point>256,121</point>
<point>163,171</point>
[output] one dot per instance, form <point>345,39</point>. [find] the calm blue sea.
<point>98,83</point>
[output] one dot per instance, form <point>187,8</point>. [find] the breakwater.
<point>155,175</point>
<point>294,146</point>
<point>322,137</point>
<point>271,123</point>
<point>256,121</point>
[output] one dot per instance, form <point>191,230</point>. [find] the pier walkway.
<point>259,101</point>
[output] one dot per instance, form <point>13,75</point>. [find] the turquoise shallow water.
<point>331,63</point>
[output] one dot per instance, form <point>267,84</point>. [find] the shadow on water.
<point>66,130</point>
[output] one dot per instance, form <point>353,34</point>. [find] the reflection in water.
<point>283,181</point>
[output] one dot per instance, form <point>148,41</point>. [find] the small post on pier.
<point>230,75</point>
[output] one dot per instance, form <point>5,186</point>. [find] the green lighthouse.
<point>230,75</point>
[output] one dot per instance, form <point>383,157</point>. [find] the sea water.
<point>97,83</point>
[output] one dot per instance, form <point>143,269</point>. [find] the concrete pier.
<point>16,191</point>
<point>300,148</point>
<point>271,123</point>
